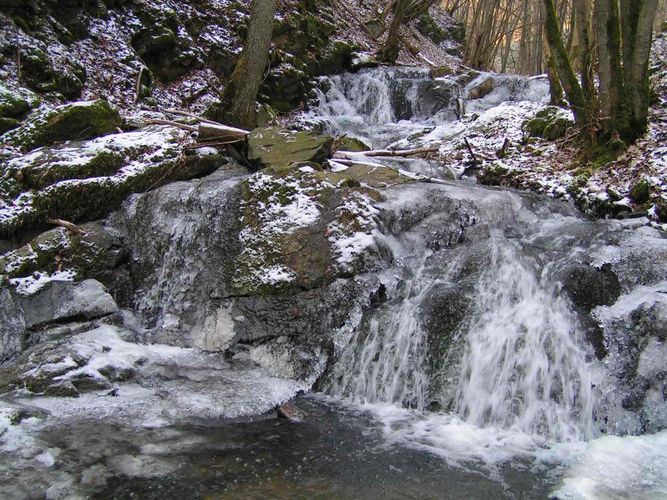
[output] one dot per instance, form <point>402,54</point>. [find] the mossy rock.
<point>277,147</point>
<point>550,123</point>
<point>352,144</point>
<point>358,174</point>
<point>641,191</point>
<point>79,120</point>
<point>87,255</point>
<point>429,28</point>
<point>7,124</point>
<point>15,103</point>
<point>43,75</point>
<point>97,181</point>
<point>164,52</point>
<point>303,250</point>
<point>495,175</point>
<point>440,72</point>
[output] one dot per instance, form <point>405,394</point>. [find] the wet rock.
<point>78,120</point>
<point>60,300</point>
<point>88,255</point>
<point>589,287</point>
<point>12,325</point>
<point>634,334</point>
<point>479,87</point>
<point>352,144</point>
<point>276,147</point>
<point>291,412</point>
<point>362,60</point>
<point>63,389</point>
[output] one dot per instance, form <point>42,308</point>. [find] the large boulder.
<point>550,123</point>
<point>78,120</point>
<point>277,147</point>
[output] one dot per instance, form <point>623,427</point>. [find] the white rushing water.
<point>521,374</point>
<point>524,366</point>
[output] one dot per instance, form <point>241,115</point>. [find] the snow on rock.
<point>352,232</point>
<point>32,284</point>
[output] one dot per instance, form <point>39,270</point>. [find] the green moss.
<point>429,28</point>
<point>7,124</point>
<point>352,144</point>
<point>15,103</point>
<point>641,191</point>
<point>548,123</point>
<point>68,122</point>
<point>102,164</point>
<point>276,147</point>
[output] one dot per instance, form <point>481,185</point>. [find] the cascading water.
<point>521,358</point>
<point>524,366</point>
<point>385,360</point>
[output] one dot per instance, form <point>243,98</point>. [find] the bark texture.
<point>240,93</point>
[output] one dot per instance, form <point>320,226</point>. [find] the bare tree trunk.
<point>566,74</point>
<point>241,91</point>
<point>637,18</point>
<point>392,46</point>
<point>610,71</point>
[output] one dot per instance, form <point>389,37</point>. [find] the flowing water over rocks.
<point>461,340</point>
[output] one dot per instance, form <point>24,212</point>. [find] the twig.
<point>472,153</point>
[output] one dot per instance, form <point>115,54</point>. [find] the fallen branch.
<point>183,126</point>
<point>389,152</point>
<point>71,227</point>
<point>191,115</point>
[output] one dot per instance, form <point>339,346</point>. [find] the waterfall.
<point>385,360</point>
<point>524,365</point>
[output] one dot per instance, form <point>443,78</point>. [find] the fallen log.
<point>210,130</point>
